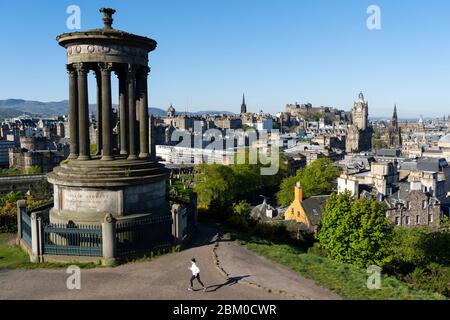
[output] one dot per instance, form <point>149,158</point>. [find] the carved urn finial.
<point>107,17</point>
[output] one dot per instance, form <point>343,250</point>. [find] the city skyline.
<point>210,53</point>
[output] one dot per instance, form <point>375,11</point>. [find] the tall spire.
<point>394,117</point>
<point>243,105</point>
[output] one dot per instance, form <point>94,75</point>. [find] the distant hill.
<point>15,107</point>
<point>157,112</point>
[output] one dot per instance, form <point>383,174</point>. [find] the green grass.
<point>13,257</point>
<point>346,280</point>
<point>182,193</point>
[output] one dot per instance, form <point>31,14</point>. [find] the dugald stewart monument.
<point>122,180</point>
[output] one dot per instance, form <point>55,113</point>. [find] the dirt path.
<point>166,277</point>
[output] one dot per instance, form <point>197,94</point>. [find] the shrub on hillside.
<point>8,210</point>
<point>433,278</point>
<point>416,247</point>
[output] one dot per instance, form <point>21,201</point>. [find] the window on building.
<point>397,221</point>
<point>430,218</point>
<point>408,221</point>
<point>424,204</point>
<point>417,219</point>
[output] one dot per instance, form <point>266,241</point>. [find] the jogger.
<point>195,275</point>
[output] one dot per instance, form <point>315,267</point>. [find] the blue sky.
<point>277,52</point>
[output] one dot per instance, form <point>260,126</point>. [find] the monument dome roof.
<point>106,34</point>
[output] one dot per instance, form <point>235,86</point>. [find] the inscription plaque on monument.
<point>91,201</point>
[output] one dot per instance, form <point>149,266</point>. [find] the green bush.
<point>242,209</point>
<point>408,251</point>
<point>421,257</point>
<point>433,278</point>
<point>418,246</point>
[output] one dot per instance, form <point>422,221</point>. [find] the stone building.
<point>414,208</point>
<point>419,197</point>
<point>228,122</point>
<point>38,152</point>
<point>45,160</point>
<point>34,143</point>
<point>394,135</point>
<point>359,136</point>
<point>381,178</point>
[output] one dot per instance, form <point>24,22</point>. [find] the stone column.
<point>35,245</point>
<point>138,92</point>
<point>152,135</point>
<point>99,113</point>
<point>73,112</point>
<point>123,109</point>
<point>131,83</point>
<point>109,240</point>
<point>105,69</point>
<point>83,113</point>
<point>21,208</point>
<point>143,114</point>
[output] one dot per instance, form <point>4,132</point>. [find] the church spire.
<point>395,117</point>
<point>243,105</point>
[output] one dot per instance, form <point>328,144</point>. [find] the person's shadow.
<point>230,281</point>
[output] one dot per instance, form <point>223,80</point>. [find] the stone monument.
<point>126,180</point>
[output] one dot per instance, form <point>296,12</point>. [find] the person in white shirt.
<point>195,275</point>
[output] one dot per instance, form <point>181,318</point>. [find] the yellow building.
<point>295,210</point>
<point>307,212</point>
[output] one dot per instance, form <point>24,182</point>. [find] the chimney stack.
<point>298,192</point>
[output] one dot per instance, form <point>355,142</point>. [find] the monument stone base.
<point>85,191</point>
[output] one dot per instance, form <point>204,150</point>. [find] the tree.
<point>247,175</point>
<point>355,231</point>
<point>214,185</point>
<point>316,179</point>
<point>220,185</point>
<point>286,194</point>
